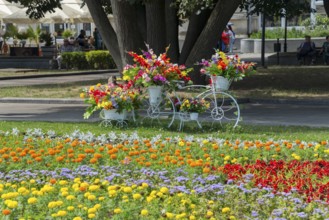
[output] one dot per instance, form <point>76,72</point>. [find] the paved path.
<point>251,113</point>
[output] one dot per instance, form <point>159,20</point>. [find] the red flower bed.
<point>310,178</point>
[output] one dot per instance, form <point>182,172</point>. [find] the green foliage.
<point>11,31</point>
<point>97,59</point>
<point>34,34</point>
<point>76,60</point>
<point>279,33</point>
<point>274,8</point>
<point>68,33</point>
<point>47,38</point>
<point>100,59</point>
<point>320,29</point>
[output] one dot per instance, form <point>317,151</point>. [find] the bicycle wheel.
<point>163,109</point>
<point>223,108</point>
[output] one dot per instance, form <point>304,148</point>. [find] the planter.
<point>48,51</point>
<point>112,114</point>
<point>194,116</point>
<point>155,94</point>
<point>220,83</point>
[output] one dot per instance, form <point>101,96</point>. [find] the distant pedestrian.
<point>325,51</point>
<point>225,40</point>
<point>306,49</point>
<point>232,38</point>
<point>81,38</point>
<point>66,47</point>
<point>1,43</point>
<point>97,39</point>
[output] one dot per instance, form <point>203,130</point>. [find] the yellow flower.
<point>144,212</point>
<point>92,215</point>
<point>232,217</point>
<point>61,213</point>
<point>117,211</point>
<point>32,200</point>
<point>91,197</point>
<point>92,210</point>
<point>209,213</point>
<point>226,209</point>
<point>145,185</point>
<point>164,190</point>
<point>70,208</point>
<point>94,187</point>
<point>170,215</point>
<point>77,218</point>
<point>62,182</point>
<point>127,189</point>
<point>137,196</point>
<point>181,143</point>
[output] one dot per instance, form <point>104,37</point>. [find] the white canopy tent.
<point>7,8</point>
<point>71,12</point>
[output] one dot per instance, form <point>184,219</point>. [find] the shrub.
<point>100,59</point>
<point>88,60</point>
<point>76,60</point>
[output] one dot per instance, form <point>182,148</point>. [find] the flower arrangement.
<point>152,70</point>
<point>197,105</point>
<point>121,97</point>
<point>229,67</point>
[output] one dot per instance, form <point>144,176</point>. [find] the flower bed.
<point>120,176</point>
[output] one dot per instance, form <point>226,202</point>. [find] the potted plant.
<point>48,49</point>
<point>224,69</point>
<point>154,72</point>
<point>194,106</point>
<point>34,35</point>
<point>114,100</point>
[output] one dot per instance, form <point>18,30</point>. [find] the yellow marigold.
<point>209,213</point>
<point>70,208</point>
<point>226,209</point>
<point>164,190</point>
<point>32,200</point>
<point>91,215</point>
<point>127,189</point>
<point>117,210</point>
<point>92,210</point>
<point>144,212</point>
<point>137,196</point>
<point>61,213</point>
<point>77,218</point>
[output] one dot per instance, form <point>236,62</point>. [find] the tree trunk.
<point>108,34</point>
<point>172,31</point>
<point>195,27</point>
<point>156,25</point>
<point>128,33</point>
<point>326,6</point>
<point>211,33</point>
